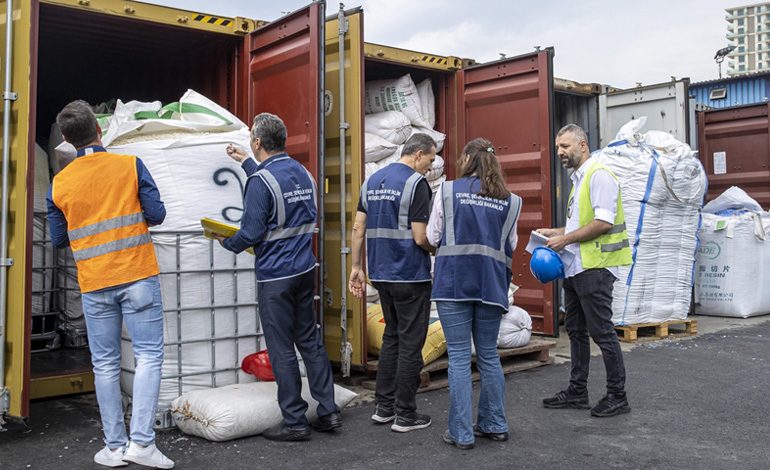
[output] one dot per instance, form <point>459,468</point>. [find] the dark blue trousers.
<point>287,313</point>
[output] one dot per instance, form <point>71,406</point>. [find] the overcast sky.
<point>616,42</point>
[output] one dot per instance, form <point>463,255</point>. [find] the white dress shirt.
<point>435,228</point>
<point>604,199</point>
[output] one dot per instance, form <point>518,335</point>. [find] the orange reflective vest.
<point>99,196</point>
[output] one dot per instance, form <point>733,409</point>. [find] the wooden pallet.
<point>659,330</point>
<point>434,375</point>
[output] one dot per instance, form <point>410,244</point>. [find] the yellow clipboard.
<point>215,227</point>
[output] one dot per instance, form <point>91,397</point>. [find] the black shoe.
<point>281,432</point>
<point>328,423</point>
<point>495,436</point>
<point>566,399</point>
<point>412,422</point>
<point>450,440</point>
<point>383,415</point>
<point>612,404</point>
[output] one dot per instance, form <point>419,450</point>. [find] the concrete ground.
<point>697,403</point>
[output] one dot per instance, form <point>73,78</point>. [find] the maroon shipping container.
<point>734,146</point>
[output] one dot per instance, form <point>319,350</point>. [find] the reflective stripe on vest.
<point>450,248</point>
<point>117,245</point>
<point>474,258</point>
<point>392,254</point>
<point>287,247</point>
<point>98,194</point>
<point>103,226</point>
<point>611,248</point>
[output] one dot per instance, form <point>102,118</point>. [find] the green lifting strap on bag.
<point>173,110</point>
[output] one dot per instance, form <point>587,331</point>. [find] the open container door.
<point>510,102</point>
<point>283,66</point>
<point>343,93</point>
<point>20,145</point>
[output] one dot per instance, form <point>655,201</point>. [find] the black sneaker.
<point>495,436</point>
<point>410,422</point>
<point>567,399</point>
<point>450,440</point>
<point>383,415</point>
<point>611,405</point>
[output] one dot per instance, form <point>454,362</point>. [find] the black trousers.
<point>589,312</point>
<point>287,314</point>
<point>406,310</point>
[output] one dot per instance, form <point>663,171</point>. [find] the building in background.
<point>748,29</point>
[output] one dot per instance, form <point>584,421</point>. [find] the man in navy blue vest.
<point>392,216</point>
<point>279,220</point>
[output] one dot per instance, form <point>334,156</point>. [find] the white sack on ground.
<point>427,102</point>
<point>226,413</point>
<point>435,135</point>
<point>515,328</point>
<point>662,185</point>
<point>392,126</point>
<point>377,148</point>
<point>733,271</point>
<point>394,95</point>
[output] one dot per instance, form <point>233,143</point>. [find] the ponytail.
<point>478,159</point>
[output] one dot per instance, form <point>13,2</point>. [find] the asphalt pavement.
<point>697,403</point>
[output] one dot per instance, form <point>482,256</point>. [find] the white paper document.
<point>537,239</point>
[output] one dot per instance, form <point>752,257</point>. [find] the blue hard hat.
<point>546,265</point>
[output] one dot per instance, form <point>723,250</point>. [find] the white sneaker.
<point>111,458</point>
<point>148,456</point>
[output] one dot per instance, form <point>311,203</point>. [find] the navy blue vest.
<point>287,249</point>
<point>391,253</point>
<point>474,257</point>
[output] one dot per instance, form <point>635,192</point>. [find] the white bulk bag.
<point>222,414</point>
<point>733,271</point>
<point>377,148</point>
<point>427,102</point>
<point>394,95</point>
<point>436,169</point>
<point>392,126</point>
<point>435,135</point>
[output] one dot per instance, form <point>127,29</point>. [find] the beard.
<point>570,161</point>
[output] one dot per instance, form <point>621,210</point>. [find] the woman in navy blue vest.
<point>473,226</point>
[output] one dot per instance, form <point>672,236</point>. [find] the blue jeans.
<point>460,321</point>
<point>139,305</point>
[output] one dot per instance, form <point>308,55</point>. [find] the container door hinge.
<point>343,21</point>
<point>5,405</point>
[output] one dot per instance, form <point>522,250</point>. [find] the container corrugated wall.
<point>739,92</point>
<point>735,150</point>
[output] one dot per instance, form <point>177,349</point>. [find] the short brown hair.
<point>77,123</point>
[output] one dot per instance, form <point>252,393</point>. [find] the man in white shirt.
<point>595,234</point>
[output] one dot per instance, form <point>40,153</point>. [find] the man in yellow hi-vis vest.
<point>596,235</point>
